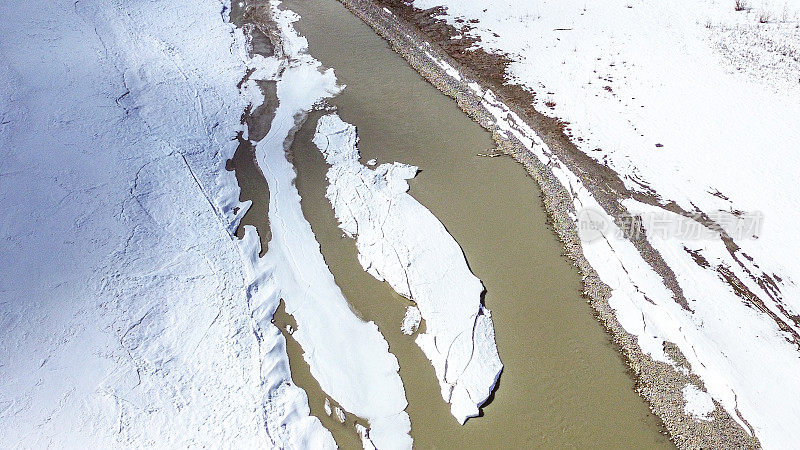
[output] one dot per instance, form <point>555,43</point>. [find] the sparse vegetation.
<point>741,5</point>
<point>764,17</point>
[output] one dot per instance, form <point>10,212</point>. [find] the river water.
<point>564,384</point>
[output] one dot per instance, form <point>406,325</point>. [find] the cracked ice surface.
<point>399,241</point>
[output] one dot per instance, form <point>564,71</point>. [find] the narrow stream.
<point>564,384</point>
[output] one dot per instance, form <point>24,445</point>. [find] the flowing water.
<point>564,384</point>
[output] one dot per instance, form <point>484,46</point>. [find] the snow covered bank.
<point>625,78</point>
<point>349,358</point>
<point>401,242</point>
<point>124,303</point>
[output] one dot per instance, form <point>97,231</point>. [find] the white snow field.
<point>693,103</point>
<point>129,313</point>
<point>399,241</point>
<point>124,312</point>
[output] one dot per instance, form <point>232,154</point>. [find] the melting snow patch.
<point>698,403</point>
<point>411,320</point>
<point>339,414</point>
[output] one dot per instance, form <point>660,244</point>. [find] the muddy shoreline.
<point>658,383</point>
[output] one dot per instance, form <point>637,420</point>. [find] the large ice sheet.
<point>401,242</point>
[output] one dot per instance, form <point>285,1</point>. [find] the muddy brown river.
<point>564,384</point>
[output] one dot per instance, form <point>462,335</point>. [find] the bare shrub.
<point>741,5</point>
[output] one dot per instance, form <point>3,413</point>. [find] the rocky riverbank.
<point>426,44</point>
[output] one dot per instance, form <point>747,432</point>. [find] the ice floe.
<point>399,241</point>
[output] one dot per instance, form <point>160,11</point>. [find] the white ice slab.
<point>399,241</point>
